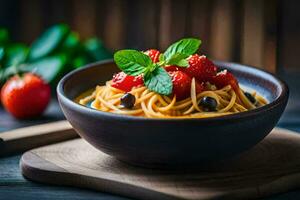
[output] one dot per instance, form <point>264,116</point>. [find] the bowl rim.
<point>73,105</point>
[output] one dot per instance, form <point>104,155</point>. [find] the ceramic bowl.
<point>172,142</point>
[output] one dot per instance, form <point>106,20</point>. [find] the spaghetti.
<point>175,84</point>
<point>153,105</point>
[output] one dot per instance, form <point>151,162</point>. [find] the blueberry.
<point>208,104</point>
<point>128,100</point>
<point>250,97</point>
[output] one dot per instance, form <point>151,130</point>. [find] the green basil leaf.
<point>159,81</point>
<point>10,71</point>
<point>2,53</point>
<point>177,59</point>
<point>4,37</point>
<point>161,57</point>
<point>80,61</point>
<point>49,41</point>
<point>183,63</point>
<point>71,42</point>
<point>96,49</point>
<point>16,54</point>
<point>2,78</point>
<point>132,62</point>
<point>187,47</point>
<point>49,68</point>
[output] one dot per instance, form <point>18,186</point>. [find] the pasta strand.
<point>150,104</point>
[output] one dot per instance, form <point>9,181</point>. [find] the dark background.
<point>263,33</point>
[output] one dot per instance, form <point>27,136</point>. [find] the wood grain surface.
<point>273,166</point>
<point>21,139</point>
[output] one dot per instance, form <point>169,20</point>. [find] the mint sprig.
<point>178,59</point>
<point>156,78</point>
<point>159,81</point>
<point>132,62</point>
<point>179,51</point>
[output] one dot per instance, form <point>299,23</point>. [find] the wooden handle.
<point>22,139</point>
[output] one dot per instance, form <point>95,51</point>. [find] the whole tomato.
<point>25,96</point>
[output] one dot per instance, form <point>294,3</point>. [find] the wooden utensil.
<point>271,167</point>
<point>22,139</point>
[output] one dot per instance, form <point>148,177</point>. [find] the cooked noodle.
<point>150,104</point>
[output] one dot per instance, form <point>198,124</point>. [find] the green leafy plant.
<point>133,62</point>
<point>48,42</point>
<point>177,53</point>
<point>156,78</point>
<point>55,52</point>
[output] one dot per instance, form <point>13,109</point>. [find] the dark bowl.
<point>172,142</point>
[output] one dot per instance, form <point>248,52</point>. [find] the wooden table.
<point>14,186</point>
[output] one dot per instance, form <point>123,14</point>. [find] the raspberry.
<point>182,84</point>
<point>126,82</point>
<point>225,78</point>
<point>170,68</point>
<point>201,68</point>
<point>153,54</point>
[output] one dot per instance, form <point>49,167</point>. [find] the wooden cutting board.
<point>22,139</point>
<point>271,167</point>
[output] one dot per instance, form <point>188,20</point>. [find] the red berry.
<point>201,68</point>
<point>170,68</point>
<point>25,96</point>
<point>199,87</point>
<point>153,54</point>
<point>225,78</point>
<point>126,82</point>
<point>182,84</point>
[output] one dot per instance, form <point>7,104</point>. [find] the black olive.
<point>128,100</point>
<point>208,104</point>
<point>250,97</point>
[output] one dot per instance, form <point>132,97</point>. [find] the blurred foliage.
<point>55,52</point>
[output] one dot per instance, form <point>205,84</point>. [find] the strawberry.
<point>153,54</point>
<point>182,84</point>
<point>25,96</point>
<point>126,82</point>
<point>199,87</point>
<point>225,78</point>
<point>170,68</point>
<point>201,68</point>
